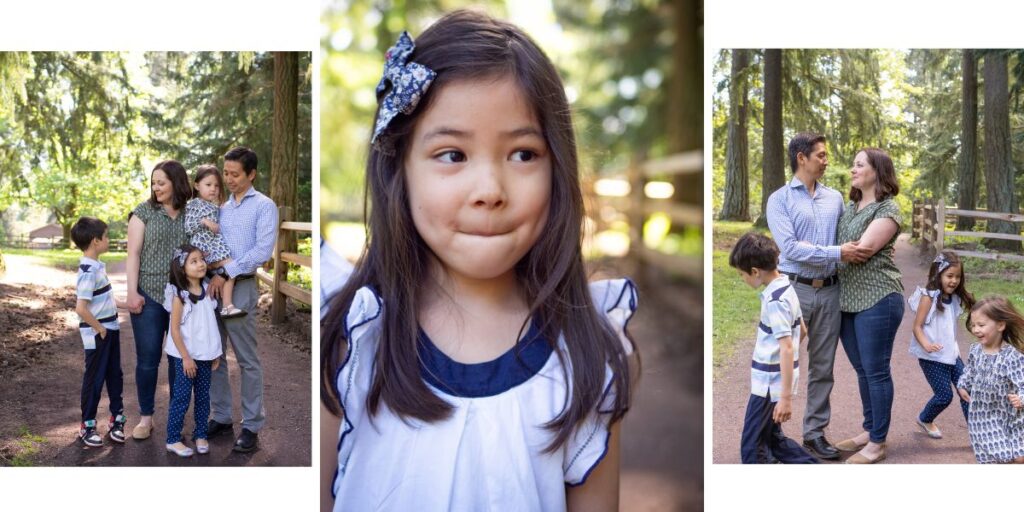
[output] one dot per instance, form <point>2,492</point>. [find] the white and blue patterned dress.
<point>212,244</point>
<point>995,426</point>
<point>489,454</point>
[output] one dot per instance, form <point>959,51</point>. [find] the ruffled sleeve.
<point>617,300</point>
<point>170,291</point>
<point>915,300</point>
<point>352,382</point>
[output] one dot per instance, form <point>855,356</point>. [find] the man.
<point>248,222</point>
<point>803,216</point>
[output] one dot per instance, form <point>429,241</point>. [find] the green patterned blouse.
<point>862,285</point>
<point>163,234</point>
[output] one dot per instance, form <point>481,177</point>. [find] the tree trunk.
<point>773,173</point>
<point>999,169</point>
<point>968,163</point>
<point>685,94</point>
<point>285,144</point>
<point>736,205</point>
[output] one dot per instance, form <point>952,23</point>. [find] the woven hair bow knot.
<point>942,261</point>
<point>409,82</point>
<point>181,256</point>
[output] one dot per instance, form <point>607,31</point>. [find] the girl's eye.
<point>523,155</point>
<point>452,157</point>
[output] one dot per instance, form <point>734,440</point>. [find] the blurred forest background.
<point>80,132</point>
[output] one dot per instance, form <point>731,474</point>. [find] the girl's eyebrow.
<point>516,133</point>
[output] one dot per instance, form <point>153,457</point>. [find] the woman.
<point>871,296</point>
<point>155,228</point>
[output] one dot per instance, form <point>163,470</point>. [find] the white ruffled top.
<point>199,330</point>
<point>939,326</point>
<point>488,455</point>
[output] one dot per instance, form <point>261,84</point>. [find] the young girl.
<point>471,365</point>
<point>993,381</point>
<point>194,348</point>
<point>201,215</point>
<point>934,344</point>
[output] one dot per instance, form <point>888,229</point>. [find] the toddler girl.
<point>471,365</point>
<point>993,380</point>
<point>937,306</point>
<point>194,347</point>
<point>201,215</point>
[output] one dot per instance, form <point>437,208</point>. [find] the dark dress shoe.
<point>214,429</point>
<point>821,448</point>
<point>246,442</point>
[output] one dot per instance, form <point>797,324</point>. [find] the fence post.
<point>277,303</point>
<point>940,225</point>
<point>913,218</point>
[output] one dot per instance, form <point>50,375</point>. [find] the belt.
<point>243,277</point>
<point>816,283</point>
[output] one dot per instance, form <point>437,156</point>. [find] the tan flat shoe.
<point>849,445</point>
<point>857,458</point>
<point>142,431</point>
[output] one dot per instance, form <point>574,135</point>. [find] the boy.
<point>97,313</point>
<point>774,369</point>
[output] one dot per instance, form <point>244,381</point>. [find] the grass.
<point>64,259</point>
<point>735,306</point>
<point>26,445</point>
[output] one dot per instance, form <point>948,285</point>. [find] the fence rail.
<point>637,207</point>
<point>278,281</point>
<point>929,223</point>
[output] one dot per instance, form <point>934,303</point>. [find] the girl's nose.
<point>488,191</point>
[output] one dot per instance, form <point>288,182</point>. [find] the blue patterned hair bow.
<point>409,82</point>
<point>942,261</point>
<point>181,256</point>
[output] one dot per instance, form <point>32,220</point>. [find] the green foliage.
<point>64,259</point>
<point>297,274</point>
<point>25,447</point>
<point>735,306</point>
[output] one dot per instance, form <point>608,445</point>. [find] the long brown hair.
<point>887,186</point>
<point>935,282</point>
<point>465,45</point>
<point>1001,310</point>
<point>181,192</point>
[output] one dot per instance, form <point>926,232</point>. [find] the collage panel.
<point>155,258</point>
<point>867,256</point>
<point>504,188</point>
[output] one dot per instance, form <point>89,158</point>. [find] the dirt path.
<point>42,398</point>
<point>662,441</point>
<point>906,442</point>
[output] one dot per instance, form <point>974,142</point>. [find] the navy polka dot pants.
<point>181,394</point>
<point>942,378</point>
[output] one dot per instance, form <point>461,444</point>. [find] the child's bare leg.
<point>227,292</point>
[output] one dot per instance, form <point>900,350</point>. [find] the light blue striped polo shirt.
<point>94,286</point>
<point>804,228</point>
<point>780,317</point>
<point>249,228</point>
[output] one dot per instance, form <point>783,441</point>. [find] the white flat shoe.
<point>934,434</point>
<point>180,452</point>
<point>202,446</point>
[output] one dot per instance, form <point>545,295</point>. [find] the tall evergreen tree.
<point>999,169</point>
<point>968,161</point>
<point>736,205</point>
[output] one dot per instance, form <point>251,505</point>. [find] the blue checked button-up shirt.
<point>804,228</point>
<point>249,228</point>
<point>92,285</point>
<point>780,317</point>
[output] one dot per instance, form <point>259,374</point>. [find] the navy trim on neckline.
<point>489,378</point>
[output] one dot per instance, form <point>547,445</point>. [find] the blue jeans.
<point>149,329</point>
<point>867,338</point>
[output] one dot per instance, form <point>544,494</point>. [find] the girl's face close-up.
<point>988,331</point>
<point>209,188</point>
<point>950,279</point>
<point>195,266</point>
<point>479,177</point>
<point>862,174</point>
<point>162,187</point>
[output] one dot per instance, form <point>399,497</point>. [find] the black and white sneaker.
<point>87,433</point>
<point>116,431</point>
